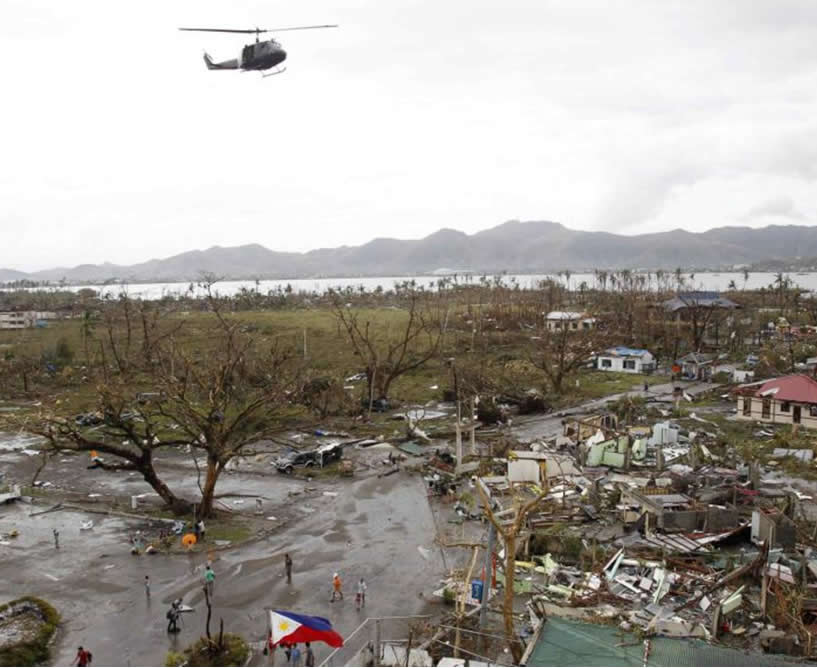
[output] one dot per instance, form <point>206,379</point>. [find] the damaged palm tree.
<point>509,525</point>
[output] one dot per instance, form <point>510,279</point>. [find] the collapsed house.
<point>643,525</point>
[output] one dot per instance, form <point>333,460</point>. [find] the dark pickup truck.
<point>319,457</point>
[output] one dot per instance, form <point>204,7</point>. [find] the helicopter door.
<point>247,54</point>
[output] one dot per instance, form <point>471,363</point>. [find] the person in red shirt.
<point>83,657</point>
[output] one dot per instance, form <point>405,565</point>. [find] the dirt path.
<point>541,427</point>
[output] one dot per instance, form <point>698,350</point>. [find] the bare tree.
<point>700,314</point>
<point>389,353</point>
<point>560,352</point>
<point>213,390</point>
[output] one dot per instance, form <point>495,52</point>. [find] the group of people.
<point>337,585</point>
<point>293,654</point>
<point>337,591</point>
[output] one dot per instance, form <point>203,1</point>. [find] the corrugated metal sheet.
<point>569,643</point>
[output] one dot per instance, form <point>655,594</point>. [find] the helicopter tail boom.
<point>225,65</point>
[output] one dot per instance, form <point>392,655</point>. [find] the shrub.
<point>174,658</point>
<point>234,652</point>
<point>36,650</point>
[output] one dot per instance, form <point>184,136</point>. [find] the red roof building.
<point>785,400</point>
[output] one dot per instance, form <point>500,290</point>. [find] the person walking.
<point>295,657</point>
<point>147,586</point>
<point>310,656</point>
<point>200,527</point>
<point>288,567</point>
<point>209,579</point>
<point>173,616</point>
<point>83,657</point>
<point>337,588</point>
<point>56,539</point>
<point>360,598</point>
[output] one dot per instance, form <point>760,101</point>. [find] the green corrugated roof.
<point>411,448</point>
<point>569,643</point>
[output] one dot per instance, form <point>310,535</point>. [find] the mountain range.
<point>514,246</point>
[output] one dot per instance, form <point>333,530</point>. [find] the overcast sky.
<point>118,145</point>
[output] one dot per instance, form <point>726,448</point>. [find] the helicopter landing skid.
<point>280,70</point>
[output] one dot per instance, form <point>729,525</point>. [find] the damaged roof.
<point>797,387</point>
<point>704,299</point>
<point>624,351</point>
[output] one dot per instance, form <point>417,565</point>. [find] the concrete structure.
<point>628,360</point>
<point>539,467</point>
<point>697,366</point>
<point>774,526</point>
<point>25,319</point>
<point>670,511</point>
<point>557,320</point>
<point>736,374</point>
<point>785,400</point>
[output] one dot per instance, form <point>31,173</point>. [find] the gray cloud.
<point>413,116</point>
<point>780,207</point>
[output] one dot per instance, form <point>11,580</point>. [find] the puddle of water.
<point>16,442</point>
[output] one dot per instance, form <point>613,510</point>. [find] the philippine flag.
<point>291,628</point>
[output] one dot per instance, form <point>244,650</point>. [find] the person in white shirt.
<point>360,599</point>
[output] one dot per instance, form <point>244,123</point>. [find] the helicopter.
<point>263,55</point>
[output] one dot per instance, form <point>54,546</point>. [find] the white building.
<point>24,319</point>
<point>556,320</point>
<point>628,360</point>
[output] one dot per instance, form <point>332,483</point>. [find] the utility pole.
<point>473,425</point>
<point>457,430</point>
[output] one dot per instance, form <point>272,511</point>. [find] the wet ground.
<point>540,427</point>
<point>371,529</point>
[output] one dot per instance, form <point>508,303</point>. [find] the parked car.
<point>290,461</point>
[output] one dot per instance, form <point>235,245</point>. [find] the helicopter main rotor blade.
<point>302,28</point>
<point>246,32</point>
<point>258,30</point>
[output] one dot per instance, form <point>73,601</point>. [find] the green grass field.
<point>317,342</point>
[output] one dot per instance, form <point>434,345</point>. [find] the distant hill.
<point>515,246</point>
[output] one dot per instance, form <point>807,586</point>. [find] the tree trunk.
<point>384,385</point>
<point>209,611</point>
<point>213,471</point>
<point>507,603</point>
<point>177,505</point>
<point>556,381</point>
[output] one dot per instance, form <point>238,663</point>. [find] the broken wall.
<point>678,520</point>
<point>523,470</point>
